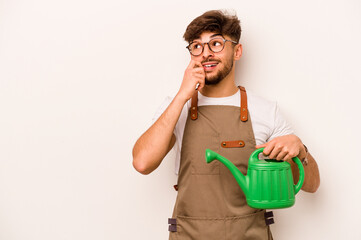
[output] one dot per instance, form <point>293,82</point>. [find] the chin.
<point>212,81</point>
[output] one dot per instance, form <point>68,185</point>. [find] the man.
<point>210,111</point>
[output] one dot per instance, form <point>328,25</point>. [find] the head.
<point>219,28</point>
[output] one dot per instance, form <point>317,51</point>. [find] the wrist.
<point>304,155</point>
<point>181,98</point>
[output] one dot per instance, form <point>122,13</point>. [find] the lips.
<point>209,66</point>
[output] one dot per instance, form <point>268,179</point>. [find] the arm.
<point>289,146</point>
<point>158,140</point>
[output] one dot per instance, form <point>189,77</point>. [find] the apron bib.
<point>210,204</point>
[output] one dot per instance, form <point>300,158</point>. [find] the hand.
<point>193,75</point>
<point>283,148</point>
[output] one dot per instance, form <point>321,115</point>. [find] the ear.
<point>238,52</point>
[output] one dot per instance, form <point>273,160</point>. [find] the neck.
<point>225,88</point>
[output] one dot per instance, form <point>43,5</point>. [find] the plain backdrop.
<point>80,81</point>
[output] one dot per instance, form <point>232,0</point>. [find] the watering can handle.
<point>254,158</point>
<point>302,174</point>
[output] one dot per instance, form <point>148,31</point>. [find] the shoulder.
<point>267,117</point>
<point>161,108</point>
<point>260,105</point>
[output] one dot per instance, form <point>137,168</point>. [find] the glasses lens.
<point>216,44</point>
<point>195,48</point>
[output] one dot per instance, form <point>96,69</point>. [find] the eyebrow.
<point>214,35</point>
<point>217,34</point>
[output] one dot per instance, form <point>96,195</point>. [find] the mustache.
<point>211,60</point>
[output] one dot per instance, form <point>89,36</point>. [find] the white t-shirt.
<point>267,121</point>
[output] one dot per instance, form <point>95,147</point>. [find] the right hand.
<point>193,75</point>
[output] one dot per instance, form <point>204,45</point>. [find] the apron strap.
<point>194,106</point>
<point>244,108</point>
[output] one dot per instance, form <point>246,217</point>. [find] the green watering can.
<point>268,183</point>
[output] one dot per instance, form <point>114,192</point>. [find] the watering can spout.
<point>240,178</point>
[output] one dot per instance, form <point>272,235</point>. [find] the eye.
<point>217,43</point>
<point>196,46</point>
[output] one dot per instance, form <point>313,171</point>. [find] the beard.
<point>220,74</point>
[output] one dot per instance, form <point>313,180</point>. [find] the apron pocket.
<point>191,228</point>
<point>251,226</point>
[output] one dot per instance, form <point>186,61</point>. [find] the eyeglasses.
<point>215,45</point>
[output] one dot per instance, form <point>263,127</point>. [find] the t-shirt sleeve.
<point>161,109</point>
<point>281,126</point>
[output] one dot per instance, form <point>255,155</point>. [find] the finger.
<point>288,157</point>
<point>268,147</point>
<point>275,151</point>
<point>199,80</point>
<point>194,64</point>
<point>261,146</point>
<point>199,77</point>
<point>191,64</point>
<point>198,70</point>
<point>197,64</point>
<point>281,155</point>
<point>201,83</point>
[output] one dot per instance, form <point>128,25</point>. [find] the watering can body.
<point>268,183</point>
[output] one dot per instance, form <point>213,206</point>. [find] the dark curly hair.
<point>214,21</point>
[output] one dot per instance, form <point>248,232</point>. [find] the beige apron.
<point>210,204</point>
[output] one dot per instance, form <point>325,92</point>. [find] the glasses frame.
<point>207,43</point>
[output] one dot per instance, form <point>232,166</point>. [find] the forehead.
<point>206,36</point>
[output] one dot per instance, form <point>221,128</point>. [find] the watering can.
<point>268,183</point>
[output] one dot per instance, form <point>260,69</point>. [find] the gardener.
<point>211,111</point>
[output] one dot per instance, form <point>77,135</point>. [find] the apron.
<point>210,204</point>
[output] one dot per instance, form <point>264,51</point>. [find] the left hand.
<point>283,147</point>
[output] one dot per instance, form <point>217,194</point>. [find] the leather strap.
<point>233,144</point>
<point>269,218</point>
<point>244,109</point>
<point>172,228</point>
<point>172,221</point>
<point>269,221</point>
<point>173,224</point>
<point>194,106</point>
<point>268,214</point>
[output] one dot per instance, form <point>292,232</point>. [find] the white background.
<point>80,81</point>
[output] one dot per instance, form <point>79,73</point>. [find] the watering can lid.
<point>255,162</point>
<point>269,164</point>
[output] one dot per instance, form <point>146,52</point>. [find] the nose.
<point>207,51</point>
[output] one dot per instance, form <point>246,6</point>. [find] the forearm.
<point>155,143</point>
<point>312,175</point>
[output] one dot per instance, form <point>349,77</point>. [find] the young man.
<point>210,111</point>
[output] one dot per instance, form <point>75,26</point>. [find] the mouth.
<point>209,66</point>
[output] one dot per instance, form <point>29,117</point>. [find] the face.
<point>218,65</point>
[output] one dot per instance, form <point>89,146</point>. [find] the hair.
<point>214,21</point>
